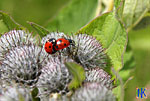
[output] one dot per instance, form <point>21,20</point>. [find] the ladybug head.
<point>53,41</point>
<point>71,42</point>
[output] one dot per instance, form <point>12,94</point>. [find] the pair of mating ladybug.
<point>53,45</point>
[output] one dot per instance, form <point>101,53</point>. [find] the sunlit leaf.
<point>111,33</point>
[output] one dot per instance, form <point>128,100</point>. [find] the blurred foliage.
<point>71,15</point>
<point>38,11</point>
<point>140,43</point>
<point>75,15</point>
<point>134,11</point>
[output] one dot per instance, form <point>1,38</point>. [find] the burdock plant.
<point>92,92</point>
<point>85,70</point>
<point>27,63</point>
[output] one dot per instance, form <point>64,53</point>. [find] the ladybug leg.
<point>68,50</point>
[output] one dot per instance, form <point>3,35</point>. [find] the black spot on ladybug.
<point>57,47</point>
<point>64,44</point>
<point>49,46</point>
<point>60,40</point>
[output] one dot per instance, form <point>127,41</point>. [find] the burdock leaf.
<point>111,34</point>
<point>78,74</point>
<point>9,22</point>
<point>41,30</point>
<point>73,16</point>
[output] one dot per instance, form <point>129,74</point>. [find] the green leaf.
<point>3,27</point>
<point>9,22</point>
<point>134,11</point>
<point>34,94</point>
<point>41,30</point>
<point>111,34</point>
<point>78,74</point>
<point>73,16</point>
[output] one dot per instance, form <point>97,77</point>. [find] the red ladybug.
<point>49,46</point>
<point>63,43</point>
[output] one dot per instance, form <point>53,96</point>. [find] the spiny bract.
<point>89,52</point>
<point>14,93</point>
<point>100,76</point>
<point>13,39</point>
<point>93,92</point>
<point>23,64</point>
<point>55,76</point>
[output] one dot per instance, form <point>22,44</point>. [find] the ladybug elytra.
<point>49,46</point>
<point>53,45</point>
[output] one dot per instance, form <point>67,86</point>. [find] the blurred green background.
<point>38,11</point>
<point>42,11</point>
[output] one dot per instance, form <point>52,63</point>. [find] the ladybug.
<point>63,43</point>
<point>49,46</point>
